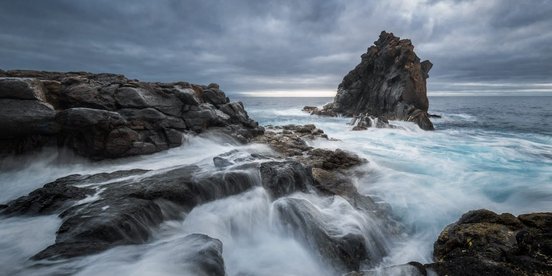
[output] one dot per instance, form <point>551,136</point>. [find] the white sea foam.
<point>428,178</point>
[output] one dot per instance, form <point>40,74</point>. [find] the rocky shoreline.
<point>107,116</point>
<point>129,204</point>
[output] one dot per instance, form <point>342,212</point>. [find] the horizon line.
<point>327,94</point>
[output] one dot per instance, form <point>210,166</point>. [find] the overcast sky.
<point>476,46</point>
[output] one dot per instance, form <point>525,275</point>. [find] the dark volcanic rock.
<point>23,118</point>
<point>204,256</point>
<point>49,198</point>
<point>103,224</point>
<point>485,243</point>
<point>331,160</point>
<point>389,82</point>
<point>363,122</point>
<point>126,204</point>
<point>108,116</point>
<point>345,253</point>
<point>333,183</point>
<point>22,89</point>
<point>290,140</point>
<point>283,178</point>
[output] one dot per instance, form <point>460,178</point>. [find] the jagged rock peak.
<point>389,83</point>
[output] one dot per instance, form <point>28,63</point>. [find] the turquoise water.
<point>486,152</point>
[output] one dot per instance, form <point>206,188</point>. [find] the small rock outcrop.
<point>485,243</point>
<point>343,252</point>
<point>204,255</point>
<point>283,178</point>
<point>290,140</point>
<point>109,116</point>
<point>389,83</point>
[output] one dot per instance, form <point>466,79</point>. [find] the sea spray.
<point>427,178</point>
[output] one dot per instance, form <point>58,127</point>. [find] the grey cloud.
<point>278,45</point>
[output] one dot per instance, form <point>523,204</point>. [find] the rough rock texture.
<point>327,173</point>
<point>105,210</point>
<point>485,243</point>
<point>328,169</point>
<point>389,83</point>
<point>122,207</point>
<point>203,257</point>
<point>283,178</point>
<point>345,253</point>
<point>290,140</point>
<point>109,116</point>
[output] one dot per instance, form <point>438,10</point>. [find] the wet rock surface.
<point>482,242</point>
<point>389,83</point>
<point>284,178</point>
<point>327,173</point>
<point>109,116</point>
<point>290,140</point>
<point>204,256</point>
<point>109,209</point>
<point>328,168</point>
<point>345,253</point>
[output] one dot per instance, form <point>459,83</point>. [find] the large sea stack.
<point>389,84</point>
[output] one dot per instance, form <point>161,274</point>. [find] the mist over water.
<point>493,153</point>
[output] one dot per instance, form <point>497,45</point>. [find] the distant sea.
<point>530,114</point>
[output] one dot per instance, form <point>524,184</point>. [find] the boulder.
<point>22,89</point>
<point>20,118</point>
<point>103,224</point>
<point>333,183</point>
<point>283,178</point>
<point>204,255</point>
<point>214,96</point>
<point>87,94</point>
<point>345,252</point>
<point>95,133</point>
<point>389,83</point>
<point>363,122</point>
<point>331,159</point>
<point>290,140</point>
<point>485,243</point>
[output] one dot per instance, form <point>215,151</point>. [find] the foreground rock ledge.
<point>388,84</point>
<point>482,242</point>
<point>109,116</point>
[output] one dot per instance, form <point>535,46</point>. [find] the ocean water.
<point>486,152</point>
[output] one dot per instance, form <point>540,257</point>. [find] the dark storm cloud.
<point>476,46</point>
